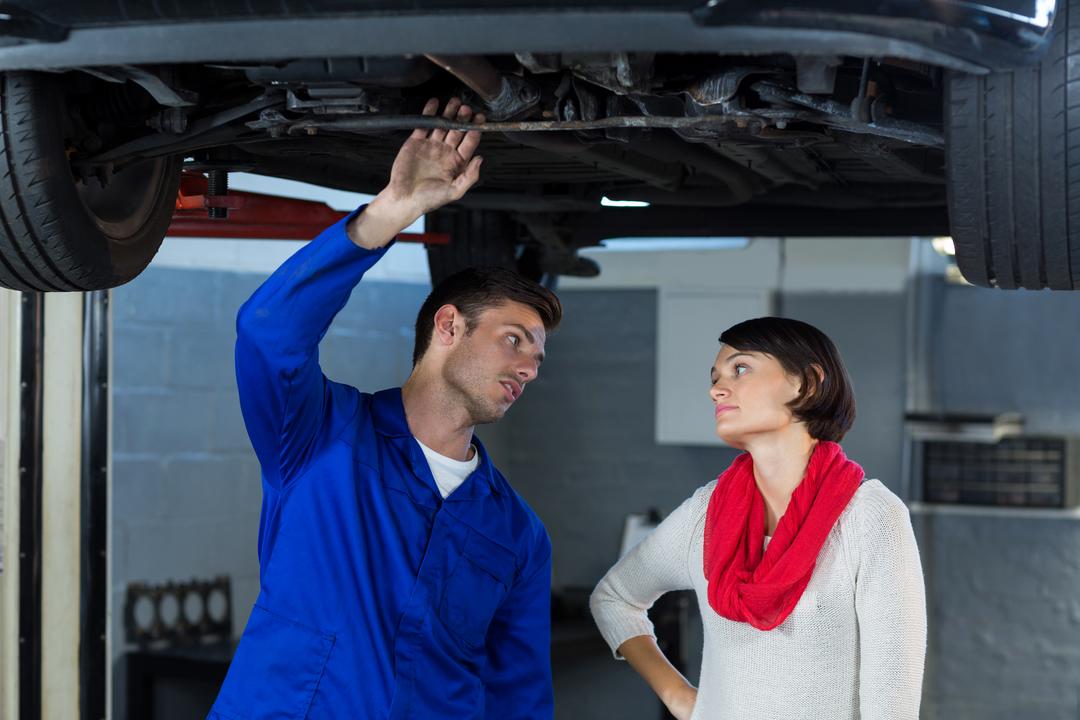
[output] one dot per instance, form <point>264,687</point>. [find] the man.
<point>401,576</point>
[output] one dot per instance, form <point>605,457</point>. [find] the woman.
<point>807,574</point>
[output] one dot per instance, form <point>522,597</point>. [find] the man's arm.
<point>517,680</point>
<point>286,400</point>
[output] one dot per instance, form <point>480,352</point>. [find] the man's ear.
<point>448,325</point>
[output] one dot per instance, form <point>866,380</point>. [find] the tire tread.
<point>48,239</point>
<point>1013,168</point>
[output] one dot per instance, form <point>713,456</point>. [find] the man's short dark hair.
<point>476,289</point>
<point>826,404</point>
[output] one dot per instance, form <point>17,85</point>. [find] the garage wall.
<point>1008,352</point>
<point>186,491</point>
<point>1004,585</point>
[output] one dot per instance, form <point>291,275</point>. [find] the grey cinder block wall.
<point>1003,585</point>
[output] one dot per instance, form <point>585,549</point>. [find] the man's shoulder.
<point>524,524</point>
<point>350,414</point>
<point>515,502</point>
<point>371,414</point>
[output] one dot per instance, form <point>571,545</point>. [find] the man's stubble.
<point>469,385</point>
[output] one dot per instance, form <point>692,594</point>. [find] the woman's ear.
<point>815,379</point>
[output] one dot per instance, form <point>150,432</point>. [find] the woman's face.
<point>750,391</point>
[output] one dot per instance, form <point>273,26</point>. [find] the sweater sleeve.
<point>656,565</point>
<point>890,604</point>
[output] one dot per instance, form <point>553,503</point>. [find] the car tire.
<point>1013,168</point>
<point>478,238</point>
<point>59,233</point>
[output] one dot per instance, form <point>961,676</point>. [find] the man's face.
<point>490,366</point>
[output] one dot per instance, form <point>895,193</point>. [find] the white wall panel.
<point>690,321</point>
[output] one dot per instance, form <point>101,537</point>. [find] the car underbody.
<point>563,131</point>
<point>723,118</point>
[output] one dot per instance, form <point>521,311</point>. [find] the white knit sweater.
<point>853,648</point>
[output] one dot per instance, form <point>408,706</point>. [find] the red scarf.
<point>759,587</point>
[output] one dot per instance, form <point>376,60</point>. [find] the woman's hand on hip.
<point>681,703</point>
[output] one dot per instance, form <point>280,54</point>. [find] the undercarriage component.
<point>163,92</point>
<point>841,117</point>
<point>218,186</point>
<point>827,112</point>
<point>742,183</point>
<point>719,89</point>
<point>505,96</point>
<point>622,73</point>
<point>405,122</point>
<point>330,101</point>
<point>206,132</point>
<point>816,75</point>
<point>382,72</point>
<point>555,254</point>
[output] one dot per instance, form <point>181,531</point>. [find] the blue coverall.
<point>378,598</point>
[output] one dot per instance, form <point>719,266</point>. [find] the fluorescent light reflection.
<point>666,244</point>
<point>1044,12</point>
<point>608,202</point>
<point>944,246</point>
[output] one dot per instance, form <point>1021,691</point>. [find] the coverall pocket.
<point>276,669</point>
<point>476,588</point>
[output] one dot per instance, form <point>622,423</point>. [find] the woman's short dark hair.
<point>826,403</point>
<point>476,289</point>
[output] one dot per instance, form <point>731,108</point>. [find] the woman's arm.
<point>890,603</point>
<point>620,603</point>
<point>674,690</point>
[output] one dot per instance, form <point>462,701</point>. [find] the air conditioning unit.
<point>1021,471</point>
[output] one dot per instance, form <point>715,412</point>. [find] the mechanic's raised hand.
<point>433,168</point>
<point>436,167</point>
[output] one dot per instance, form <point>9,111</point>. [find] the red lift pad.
<point>254,215</point>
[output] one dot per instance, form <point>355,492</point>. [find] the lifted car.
<point>726,117</point>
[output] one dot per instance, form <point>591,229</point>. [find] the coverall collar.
<point>388,414</point>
